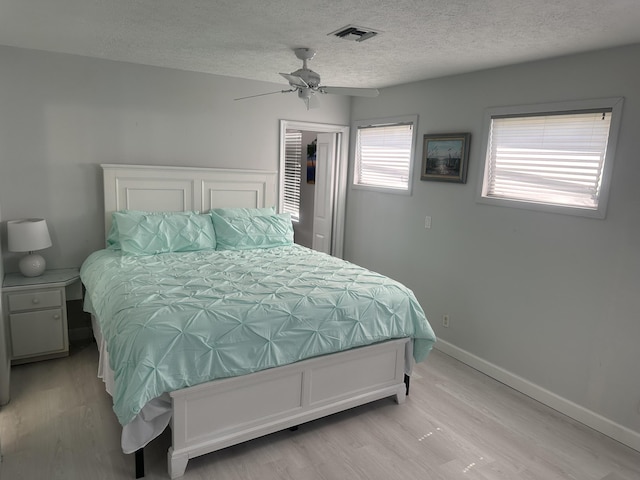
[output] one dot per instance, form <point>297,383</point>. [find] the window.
<point>384,154</point>
<point>292,155</point>
<point>555,157</point>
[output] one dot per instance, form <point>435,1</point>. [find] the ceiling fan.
<point>307,83</point>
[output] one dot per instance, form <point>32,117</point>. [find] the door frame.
<point>339,182</point>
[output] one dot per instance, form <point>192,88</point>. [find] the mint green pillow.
<point>149,233</point>
<point>246,232</point>
<point>244,212</point>
<point>113,237</point>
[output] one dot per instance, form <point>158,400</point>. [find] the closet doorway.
<point>323,182</point>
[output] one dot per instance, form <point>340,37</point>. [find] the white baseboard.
<point>583,415</point>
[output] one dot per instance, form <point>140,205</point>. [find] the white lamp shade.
<point>28,235</point>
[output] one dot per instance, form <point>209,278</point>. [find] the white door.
<point>324,194</point>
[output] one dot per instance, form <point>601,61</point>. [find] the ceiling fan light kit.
<point>307,83</point>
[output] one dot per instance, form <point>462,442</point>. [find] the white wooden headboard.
<point>175,189</point>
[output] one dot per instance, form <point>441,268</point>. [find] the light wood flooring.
<point>456,424</point>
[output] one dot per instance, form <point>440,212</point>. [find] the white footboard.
<point>225,412</point>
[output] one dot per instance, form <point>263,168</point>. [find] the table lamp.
<point>29,235</point>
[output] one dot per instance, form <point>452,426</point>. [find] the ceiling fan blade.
<point>263,94</point>
<point>294,80</point>
<point>355,92</point>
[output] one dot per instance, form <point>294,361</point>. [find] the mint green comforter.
<point>179,319</point>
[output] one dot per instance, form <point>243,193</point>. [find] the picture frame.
<point>311,163</point>
<point>445,157</point>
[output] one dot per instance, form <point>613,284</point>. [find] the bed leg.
<point>407,381</point>
<point>176,464</point>
<point>140,463</point>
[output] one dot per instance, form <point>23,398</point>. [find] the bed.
<point>225,330</point>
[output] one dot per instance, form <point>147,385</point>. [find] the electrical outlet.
<point>427,222</point>
<point>445,320</point>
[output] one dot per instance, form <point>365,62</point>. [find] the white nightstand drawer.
<point>34,300</point>
<point>38,332</point>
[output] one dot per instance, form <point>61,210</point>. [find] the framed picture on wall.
<point>311,162</point>
<point>445,157</point>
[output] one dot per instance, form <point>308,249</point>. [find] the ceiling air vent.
<point>355,33</point>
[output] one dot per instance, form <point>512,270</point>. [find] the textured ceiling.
<point>253,39</point>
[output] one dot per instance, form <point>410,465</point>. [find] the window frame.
<point>614,104</point>
<point>382,122</point>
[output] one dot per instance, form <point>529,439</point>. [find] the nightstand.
<point>36,313</point>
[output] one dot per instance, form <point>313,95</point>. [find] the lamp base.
<point>32,265</point>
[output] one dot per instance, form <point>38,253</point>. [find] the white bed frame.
<point>221,413</point>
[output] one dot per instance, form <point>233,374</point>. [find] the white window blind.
<point>555,159</point>
<point>383,156</point>
<point>292,158</point>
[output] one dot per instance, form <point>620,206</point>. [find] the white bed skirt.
<point>154,417</point>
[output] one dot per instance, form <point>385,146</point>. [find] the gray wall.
<point>553,299</point>
<point>63,115</point>
<point>5,362</point>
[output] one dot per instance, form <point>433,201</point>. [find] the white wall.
<point>552,299</point>
<point>63,115</point>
